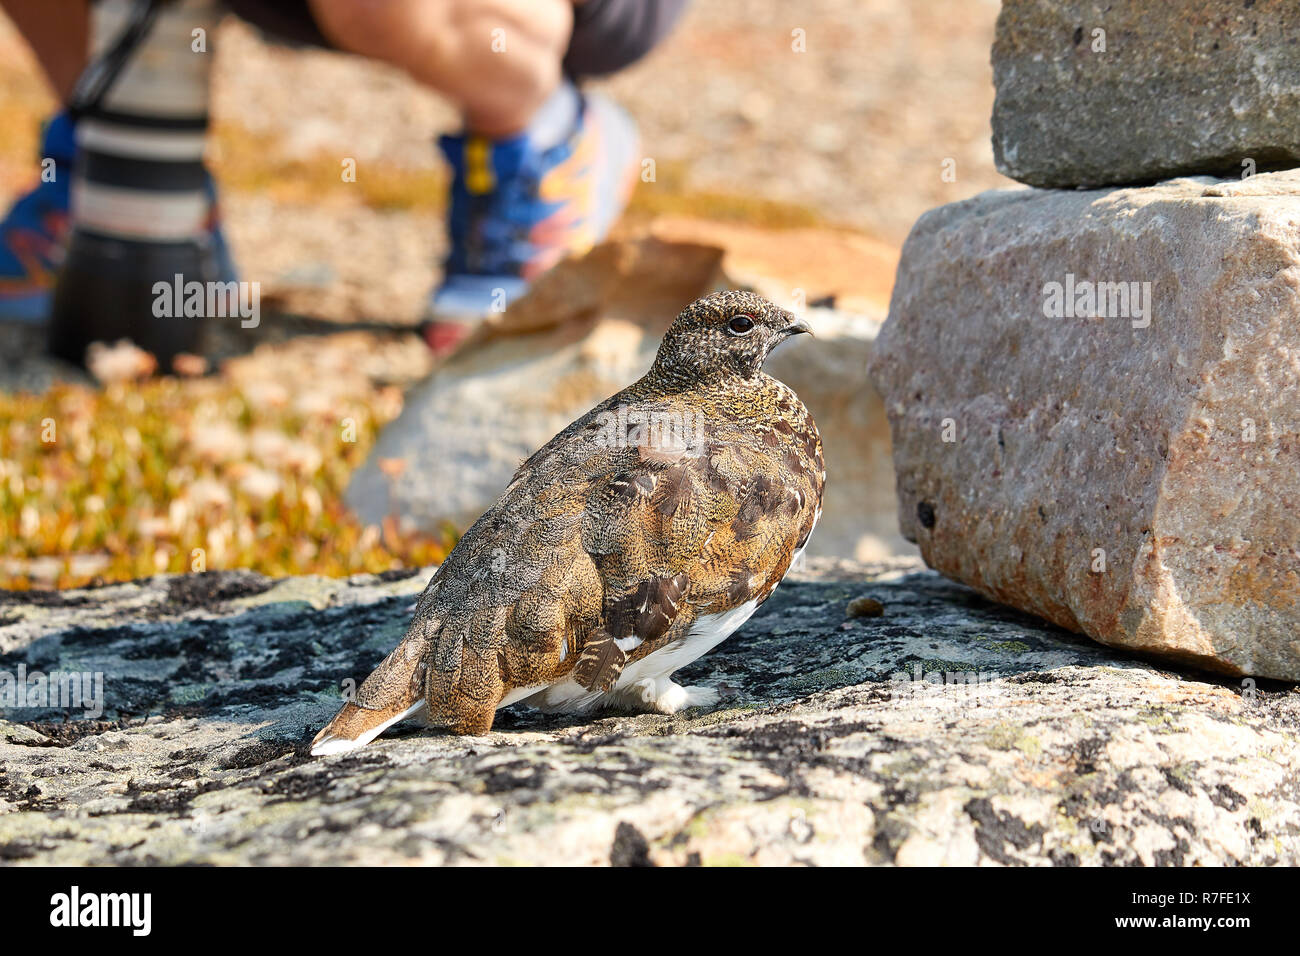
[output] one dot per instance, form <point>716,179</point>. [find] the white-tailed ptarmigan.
<point>633,542</point>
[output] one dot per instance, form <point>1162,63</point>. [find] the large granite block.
<point>1094,399</point>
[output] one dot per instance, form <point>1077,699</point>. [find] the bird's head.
<point>722,335</point>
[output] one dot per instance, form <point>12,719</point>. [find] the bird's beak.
<point>799,325</point>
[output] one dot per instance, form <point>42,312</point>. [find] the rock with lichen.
<point>949,730</point>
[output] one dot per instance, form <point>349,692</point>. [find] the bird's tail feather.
<point>355,727</point>
<point>393,692</point>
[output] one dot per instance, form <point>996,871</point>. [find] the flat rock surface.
<point>1091,93</point>
<point>837,741</point>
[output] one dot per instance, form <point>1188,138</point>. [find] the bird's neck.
<point>717,386</point>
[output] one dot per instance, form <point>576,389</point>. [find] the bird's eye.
<point>741,324</point>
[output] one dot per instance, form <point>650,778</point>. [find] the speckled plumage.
<point>652,524</point>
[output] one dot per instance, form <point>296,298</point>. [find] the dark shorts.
<point>608,35</point>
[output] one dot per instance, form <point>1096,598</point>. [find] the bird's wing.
<point>677,536</point>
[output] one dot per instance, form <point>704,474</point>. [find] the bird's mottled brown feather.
<point>600,662</point>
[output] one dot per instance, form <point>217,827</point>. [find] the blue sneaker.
<point>517,209</point>
<point>34,235</point>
